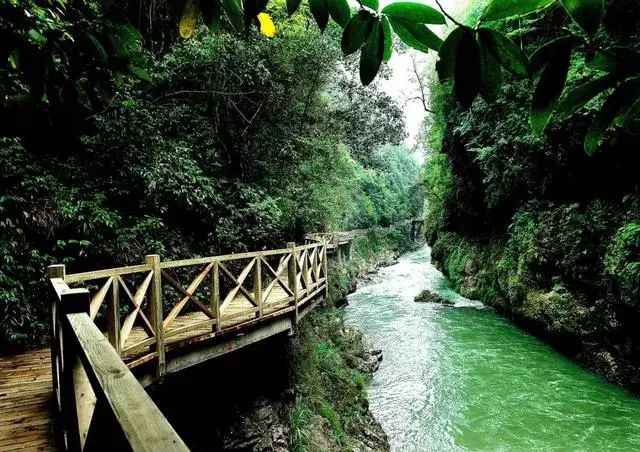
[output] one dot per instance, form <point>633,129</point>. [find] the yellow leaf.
<point>267,27</point>
<point>189,19</point>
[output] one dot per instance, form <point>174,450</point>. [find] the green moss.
<point>622,262</point>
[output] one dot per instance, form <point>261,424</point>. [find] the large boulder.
<point>426,296</point>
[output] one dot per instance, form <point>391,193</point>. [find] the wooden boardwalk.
<point>26,401</point>
<point>25,380</point>
<point>165,326</point>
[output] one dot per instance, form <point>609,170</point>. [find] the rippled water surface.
<point>464,378</point>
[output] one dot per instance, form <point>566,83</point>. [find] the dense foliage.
<point>235,144</point>
<point>533,225</point>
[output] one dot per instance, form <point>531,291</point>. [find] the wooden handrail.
<point>141,421</point>
<point>220,295</point>
<point>150,288</point>
<point>89,373</point>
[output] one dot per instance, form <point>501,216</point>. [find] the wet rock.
<point>427,296</point>
<point>372,437</point>
<point>321,438</point>
<point>369,363</point>
<point>262,427</point>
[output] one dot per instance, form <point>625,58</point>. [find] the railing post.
<point>113,316</point>
<point>56,271</point>
<point>156,312</point>
<point>325,265</point>
<point>66,367</point>
<point>293,278</point>
<point>215,294</point>
<point>305,270</point>
<point>257,284</point>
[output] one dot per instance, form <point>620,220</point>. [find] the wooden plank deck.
<point>26,404</point>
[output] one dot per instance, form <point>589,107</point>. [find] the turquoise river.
<point>464,378</point>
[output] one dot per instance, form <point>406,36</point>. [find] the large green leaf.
<point>549,89</point>
<point>414,12</point>
<point>235,13</point>
<point>339,11</point>
<point>490,72</point>
<point>586,13</point>
<point>388,40</point>
<point>320,12</point>
<point>293,5</point>
<point>545,53</point>
<point>356,32</point>
<point>373,4</point>
<point>616,59</point>
<point>578,97</point>
<point>96,45</point>
<point>505,50</point>
<point>618,105</point>
<point>466,74</point>
<point>501,9</point>
<point>447,55</point>
<point>624,118</point>
<point>211,13</point>
<point>372,54</point>
<point>254,7</point>
<point>416,35</point>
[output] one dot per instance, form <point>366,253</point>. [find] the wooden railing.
<point>89,377</point>
<point>117,319</point>
<point>148,310</point>
<point>338,243</point>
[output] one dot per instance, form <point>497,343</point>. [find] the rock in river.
<point>427,296</point>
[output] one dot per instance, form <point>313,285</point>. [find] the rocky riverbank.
<point>306,392</point>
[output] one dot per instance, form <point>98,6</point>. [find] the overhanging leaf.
<point>505,50</point>
<point>320,13</point>
<point>501,9</point>
<point>211,13</point>
<point>235,13</point>
<point>388,40</point>
<point>545,53</point>
<point>254,7</point>
<point>447,55</point>
<point>100,52</point>
<point>618,104</point>
<point>372,54</point>
<point>189,19</point>
<point>373,4</point>
<point>578,97</point>
<point>414,12</point>
<point>616,59</point>
<point>267,27</point>
<point>293,5</point>
<point>549,89</point>
<point>356,32</point>
<point>586,13</point>
<point>339,11</point>
<point>490,72</point>
<point>415,35</point>
<point>467,70</point>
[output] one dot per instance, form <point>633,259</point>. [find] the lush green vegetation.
<point>235,144</point>
<point>533,225</point>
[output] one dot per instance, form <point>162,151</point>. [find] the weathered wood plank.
<point>141,421</point>
<point>99,274</point>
